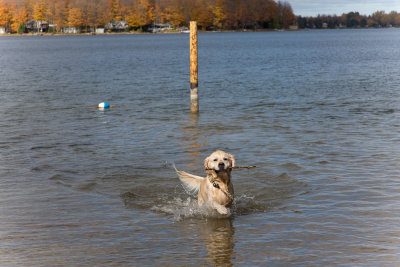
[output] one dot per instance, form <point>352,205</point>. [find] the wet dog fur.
<point>216,189</point>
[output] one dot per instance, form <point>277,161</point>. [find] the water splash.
<point>186,207</point>
<point>182,208</point>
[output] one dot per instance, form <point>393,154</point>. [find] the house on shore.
<point>3,30</point>
<point>37,26</point>
<point>99,30</point>
<point>69,29</point>
<point>117,26</point>
<point>159,27</point>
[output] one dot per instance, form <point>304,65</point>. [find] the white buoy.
<point>103,105</point>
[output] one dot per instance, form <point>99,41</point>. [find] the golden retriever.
<point>216,189</point>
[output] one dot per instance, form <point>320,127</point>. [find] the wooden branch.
<point>236,167</point>
<point>243,167</point>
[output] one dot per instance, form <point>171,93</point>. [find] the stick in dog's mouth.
<point>236,167</point>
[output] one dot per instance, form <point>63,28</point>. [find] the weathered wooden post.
<point>194,80</point>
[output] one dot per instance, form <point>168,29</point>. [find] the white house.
<point>117,26</point>
<point>70,30</point>
<point>159,27</point>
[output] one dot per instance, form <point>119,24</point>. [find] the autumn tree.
<point>91,12</point>
<point>75,18</point>
<point>141,14</point>
<point>6,15</point>
<point>51,11</point>
<point>61,14</point>
<point>95,14</point>
<point>285,13</point>
<point>202,12</point>
<point>133,18</point>
<point>115,10</point>
<point>396,19</point>
<point>231,20</point>
<point>40,11</point>
<point>174,13</point>
<point>27,4</point>
<point>220,13</point>
<point>393,19</point>
<point>377,18</point>
<point>136,18</point>
<point>244,14</point>
<point>149,8</point>
<point>266,13</point>
<point>20,17</point>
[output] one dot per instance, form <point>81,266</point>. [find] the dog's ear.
<point>206,161</point>
<point>232,159</point>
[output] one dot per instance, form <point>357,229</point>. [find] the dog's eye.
<point>215,159</point>
<point>215,185</point>
<point>225,159</point>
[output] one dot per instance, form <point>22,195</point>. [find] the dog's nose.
<point>221,165</point>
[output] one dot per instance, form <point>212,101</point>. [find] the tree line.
<point>90,14</point>
<point>351,20</point>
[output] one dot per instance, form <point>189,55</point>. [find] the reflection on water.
<point>218,238</point>
<point>193,141</point>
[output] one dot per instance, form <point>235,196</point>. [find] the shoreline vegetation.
<point>77,17</point>
<point>179,32</point>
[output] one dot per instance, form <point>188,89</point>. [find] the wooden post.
<point>194,80</point>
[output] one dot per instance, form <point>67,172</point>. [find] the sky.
<point>338,7</point>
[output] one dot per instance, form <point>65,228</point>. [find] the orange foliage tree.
<point>96,14</point>
<point>75,17</point>
<point>174,13</point>
<point>220,13</point>
<point>202,12</point>
<point>20,17</point>
<point>115,9</point>
<point>141,13</point>
<point>40,10</point>
<point>61,14</point>
<point>6,15</point>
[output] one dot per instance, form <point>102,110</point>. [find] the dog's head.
<point>219,161</point>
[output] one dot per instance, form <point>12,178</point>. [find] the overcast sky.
<point>338,7</point>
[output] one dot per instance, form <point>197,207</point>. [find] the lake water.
<point>318,113</point>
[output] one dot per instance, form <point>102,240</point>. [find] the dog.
<point>216,189</point>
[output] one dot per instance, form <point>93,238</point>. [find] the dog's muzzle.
<point>221,167</point>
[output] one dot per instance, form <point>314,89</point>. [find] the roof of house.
<point>34,24</point>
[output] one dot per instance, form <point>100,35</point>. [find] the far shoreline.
<point>178,32</point>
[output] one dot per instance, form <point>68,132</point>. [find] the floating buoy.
<point>103,105</point>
